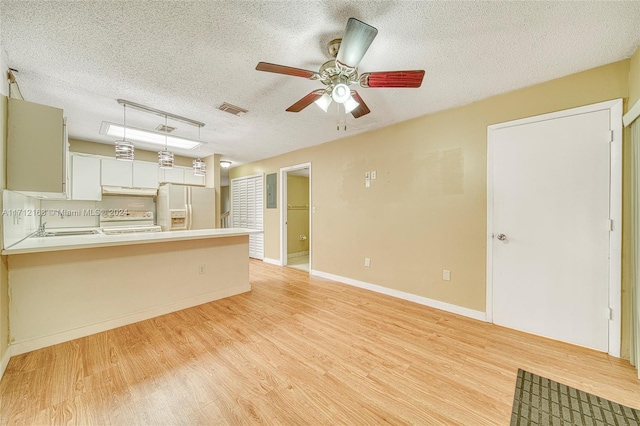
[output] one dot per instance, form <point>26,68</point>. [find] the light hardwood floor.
<point>294,351</point>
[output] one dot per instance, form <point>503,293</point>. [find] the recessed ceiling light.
<point>148,136</point>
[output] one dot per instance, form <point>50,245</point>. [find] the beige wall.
<point>86,147</point>
<point>634,78</point>
<point>297,215</point>
<point>412,222</point>
<point>225,202</point>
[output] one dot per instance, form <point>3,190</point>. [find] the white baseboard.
<point>272,261</point>
<point>298,254</point>
<point>18,348</point>
<point>5,361</point>
<point>443,306</point>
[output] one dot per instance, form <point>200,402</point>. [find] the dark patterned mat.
<point>540,401</point>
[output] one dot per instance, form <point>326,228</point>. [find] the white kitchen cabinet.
<point>180,174</point>
<point>175,175</point>
<point>117,173</point>
<point>85,178</point>
<point>145,174</point>
<point>191,179</point>
<point>37,152</point>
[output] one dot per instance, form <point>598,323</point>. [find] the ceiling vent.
<point>165,129</point>
<point>232,109</point>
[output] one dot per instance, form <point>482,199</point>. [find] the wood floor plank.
<point>298,350</point>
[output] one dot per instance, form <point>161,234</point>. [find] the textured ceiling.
<point>188,57</point>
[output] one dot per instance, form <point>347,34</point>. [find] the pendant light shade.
<point>165,158</point>
<point>124,149</point>
<point>199,167</point>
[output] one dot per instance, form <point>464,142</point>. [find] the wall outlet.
<point>446,275</point>
<point>373,175</point>
<point>313,210</point>
<point>367,262</point>
<point>201,269</point>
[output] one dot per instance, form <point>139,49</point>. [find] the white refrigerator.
<point>182,207</point>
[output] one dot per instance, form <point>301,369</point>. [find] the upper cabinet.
<point>182,175</point>
<point>129,174</point>
<point>36,149</point>
<point>174,175</point>
<point>117,173</point>
<point>85,178</point>
<point>145,174</point>
<point>191,179</point>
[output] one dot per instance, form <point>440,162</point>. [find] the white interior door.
<point>551,227</point>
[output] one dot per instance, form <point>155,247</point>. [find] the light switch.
<point>367,262</point>
<point>446,275</point>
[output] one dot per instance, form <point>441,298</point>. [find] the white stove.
<point>122,221</point>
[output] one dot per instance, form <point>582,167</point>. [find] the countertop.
<point>44,244</point>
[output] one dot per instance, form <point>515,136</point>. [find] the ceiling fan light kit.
<point>324,101</point>
<point>339,73</point>
<point>340,93</point>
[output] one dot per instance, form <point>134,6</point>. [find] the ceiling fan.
<point>339,73</point>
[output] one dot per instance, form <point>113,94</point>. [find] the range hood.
<point>122,190</point>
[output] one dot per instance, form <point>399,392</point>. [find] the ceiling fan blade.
<point>362,109</point>
<point>281,69</point>
<point>392,79</point>
<point>355,42</point>
<point>306,101</point>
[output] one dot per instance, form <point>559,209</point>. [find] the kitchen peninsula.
<point>67,287</point>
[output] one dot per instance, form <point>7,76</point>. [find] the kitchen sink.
<point>70,233</point>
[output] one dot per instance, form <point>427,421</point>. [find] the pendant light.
<point>199,166</point>
<point>165,158</point>
<point>124,149</point>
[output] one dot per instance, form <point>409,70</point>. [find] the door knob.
<point>502,237</point>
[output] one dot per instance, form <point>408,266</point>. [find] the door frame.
<point>283,211</point>
<point>615,209</point>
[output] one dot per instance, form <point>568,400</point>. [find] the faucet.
<point>41,231</point>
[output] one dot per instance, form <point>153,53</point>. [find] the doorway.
<point>295,216</point>
<point>554,225</point>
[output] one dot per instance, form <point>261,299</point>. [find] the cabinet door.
<point>85,178</point>
<point>117,173</point>
<point>145,175</point>
<point>36,148</point>
<point>175,175</point>
<point>191,179</point>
